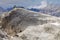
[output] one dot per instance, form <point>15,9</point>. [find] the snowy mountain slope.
<point>22,24</point>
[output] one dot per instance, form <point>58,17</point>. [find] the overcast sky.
<point>25,3</point>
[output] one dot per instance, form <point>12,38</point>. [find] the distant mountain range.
<point>2,9</point>
<point>49,9</point>
<point>9,9</point>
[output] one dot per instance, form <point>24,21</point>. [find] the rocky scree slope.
<point>22,24</point>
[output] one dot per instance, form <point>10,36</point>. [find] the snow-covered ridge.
<point>23,24</point>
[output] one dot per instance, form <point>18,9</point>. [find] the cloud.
<point>43,4</point>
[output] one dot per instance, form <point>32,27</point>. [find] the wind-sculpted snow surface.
<point>22,24</point>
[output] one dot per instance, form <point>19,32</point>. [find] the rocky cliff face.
<point>22,24</point>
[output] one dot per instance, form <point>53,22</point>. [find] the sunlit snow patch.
<point>57,24</point>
